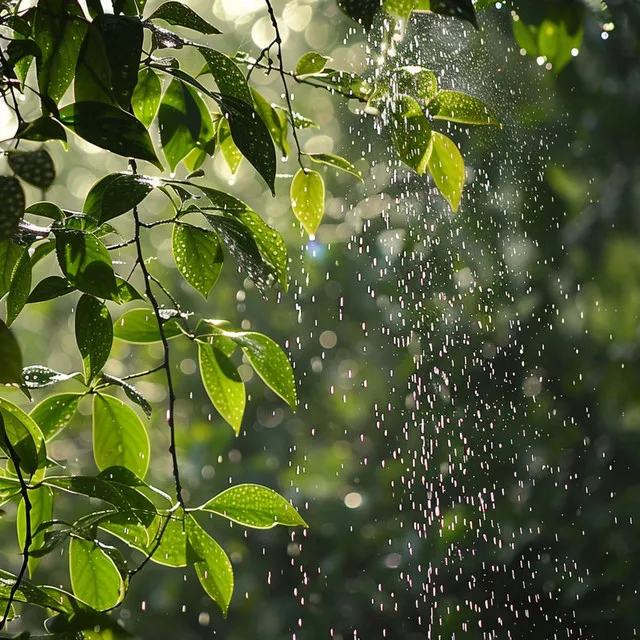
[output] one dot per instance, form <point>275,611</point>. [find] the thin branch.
<point>156,543</point>
<point>166,292</point>
<point>265,52</point>
<point>141,374</point>
<point>165,345</point>
<point>24,492</point>
<point>121,245</point>
<point>283,77</point>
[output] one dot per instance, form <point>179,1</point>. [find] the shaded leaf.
<point>24,435</point>
<point>9,488</point>
<point>47,210</point>
<point>42,129</point>
<point>181,15</point>
<point>13,203</point>
<point>230,80</point>
<point>34,167</point>
<point>307,199</point>
<point>10,357</point>
<point>94,335</point>
<point>92,81</point>
<point>50,288</point>
<point>20,287</point>
<point>254,506</point>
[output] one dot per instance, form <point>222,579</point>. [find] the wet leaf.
<point>54,413</point>
<point>222,384</point>
<point>417,82</point>
<point>19,288</point>
<point>92,81</point>
<point>198,256</point>
<point>275,119</point>
<point>174,550</point>
<point>39,377</point>
<point>181,15</point>
<point>230,80</point>
<point>227,146</point>
<point>41,500</point>
<point>50,288</point>
<point>10,254</point>
<point>10,357</point>
<point>460,107</point>
<point>94,335</point>
<point>25,436</point>
<point>119,436</point>
<point>411,133</point>
<point>336,162</point>
<point>214,571</point>
<point>13,203</point>
<point>140,326</point>
<point>307,199</point>
<point>447,168</point>
<point>254,506</point>
<point>310,64</point>
<point>131,392</point>
<point>34,167</point>
<point>146,96</point>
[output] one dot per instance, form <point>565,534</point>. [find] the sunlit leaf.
<point>20,287</point>
<point>146,96</point>
<point>141,327</point>
<point>460,107</point>
<point>10,254</point>
<point>446,165</point>
<point>254,506</point>
<point>130,391</point>
<point>417,82</point>
<point>336,162</point>
<point>310,64</point>
<point>94,334</point>
<point>39,377</point>
<point>227,146</point>
<point>55,413</point>
<point>307,199</point>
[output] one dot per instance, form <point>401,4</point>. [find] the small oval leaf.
<point>307,199</point>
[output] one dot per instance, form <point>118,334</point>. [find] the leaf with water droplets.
<point>119,436</point>
<point>222,384</point>
<point>39,377</point>
<point>114,195</point>
<point>198,256</point>
<point>95,578</point>
<point>34,167</point>
<point>146,96</point>
<point>310,64</point>
<point>20,287</point>
<point>460,107</point>
<point>230,80</point>
<point>10,357</point>
<point>54,413</point>
<point>174,549</point>
<point>131,392</point>
<point>447,168</point>
<point>181,15</point>
<point>94,334</point>
<point>336,162</point>
<point>307,199</point>
<point>417,82</point>
<point>254,506</point>
<point>411,133</point>
<point>214,570</point>
<point>13,202</point>
<point>140,326</point>
<point>227,146</point>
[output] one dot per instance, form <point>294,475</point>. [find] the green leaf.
<point>110,128</point>
<point>10,357</point>
<point>336,162</point>
<point>222,384</point>
<point>122,36</point>
<point>447,168</point>
<point>140,326</point>
<point>174,550</point>
<point>130,391</point>
<point>27,592</point>
<point>59,30</point>
<point>46,210</point>
<point>39,377</point>
<point>13,202</point>
<point>25,436</point>
<point>310,64</point>
<point>92,81</point>
<point>94,335</point>
<point>34,167</point>
<point>214,571</point>
<point>54,413</point>
<point>307,199</point>
<point>254,506</point>
<point>95,578</point>
<point>146,96</point>
<point>411,133</point>
<point>126,292</point>
<point>417,82</point>
<point>41,499</point>
<point>116,194</point>
<point>10,254</point>
<point>50,288</point>
<point>9,488</point>
<point>20,287</point>
<point>361,11</point>
<point>251,136</point>
<point>86,263</point>
<point>227,146</point>
<point>42,129</point>
<point>276,121</point>
<point>198,256</point>
<point>230,80</point>
<point>184,122</point>
<point>181,15</point>
<point>460,107</point>
<point>119,436</point>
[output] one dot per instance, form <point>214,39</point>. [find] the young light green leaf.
<point>336,162</point>
<point>222,384</point>
<point>95,578</point>
<point>41,500</point>
<point>460,107</point>
<point>119,436</point>
<point>39,377</point>
<point>50,288</point>
<point>174,549</point>
<point>254,506</point>
<point>19,289</point>
<point>25,436</point>
<point>116,194</point>
<point>140,326</point>
<point>307,199</point>
<point>447,168</point>
<point>10,357</point>
<point>310,64</point>
<point>54,413</point>
<point>146,96</point>
<point>227,146</point>
<point>411,133</point>
<point>34,167</point>
<point>13,202</point>
<point>214,570</point>
<point>181,15</point>
<point>110,128</point>
<point>198,256</point>
<point>417,82</point>
<point>94,334</point>
<point>86,263</point>
<point>276,121</point>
